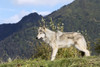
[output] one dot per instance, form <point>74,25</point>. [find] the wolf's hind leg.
<point>87,53</point>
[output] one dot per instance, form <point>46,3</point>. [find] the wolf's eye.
<point>40,30</point>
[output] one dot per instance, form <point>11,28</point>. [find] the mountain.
<point>27,21</point>
<point>18,40</point>
<point>82,15</point>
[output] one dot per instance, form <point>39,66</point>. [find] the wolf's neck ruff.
<point>48,35</point>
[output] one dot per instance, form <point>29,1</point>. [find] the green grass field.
<point>63,62</point>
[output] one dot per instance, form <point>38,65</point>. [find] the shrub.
<point>97,46</point>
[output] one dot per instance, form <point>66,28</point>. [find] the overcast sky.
<point>11,11</point>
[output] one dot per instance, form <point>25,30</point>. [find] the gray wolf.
<point>62,40</point>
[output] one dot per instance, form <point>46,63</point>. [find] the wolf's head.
<point>41,33</point>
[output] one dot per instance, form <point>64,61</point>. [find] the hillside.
<point>17,40</point>
<point>26,22</point>
<point>63,62</point>
<point>80,15</point>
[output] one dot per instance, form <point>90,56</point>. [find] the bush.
<point>97,46</point>
<point>42,51</point>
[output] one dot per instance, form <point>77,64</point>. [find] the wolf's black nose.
<point>36,37</point>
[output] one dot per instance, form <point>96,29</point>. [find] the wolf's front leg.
<point>54,52</point>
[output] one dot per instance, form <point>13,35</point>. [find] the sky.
<point>12,11</point>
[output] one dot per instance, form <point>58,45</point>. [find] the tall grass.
<point>62,62</point>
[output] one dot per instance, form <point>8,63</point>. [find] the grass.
<point>63,62</point>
